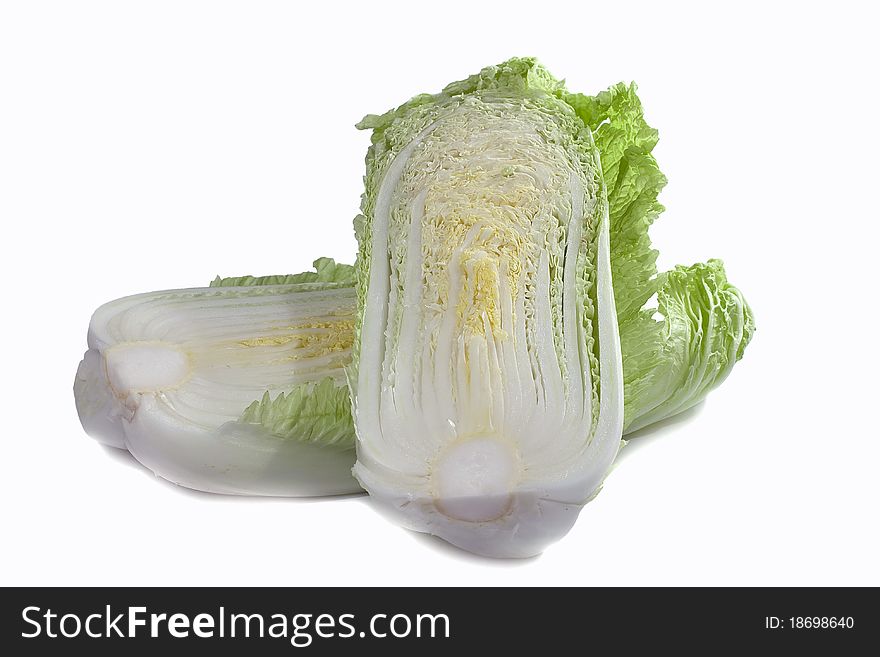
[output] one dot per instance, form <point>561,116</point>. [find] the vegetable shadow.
<point>659,430</point>
<point>124,457</point>
<point>440,546</point>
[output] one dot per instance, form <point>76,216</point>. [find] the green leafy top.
<point>317,413</point>
<point>633,182</point>
<point>676,352</point>
<point>327,270</point>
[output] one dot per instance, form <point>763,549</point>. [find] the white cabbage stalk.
<point>226,389</point>
<point>487,375</point>
<point>706,324</point>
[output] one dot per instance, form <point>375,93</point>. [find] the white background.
<point>156,144</point>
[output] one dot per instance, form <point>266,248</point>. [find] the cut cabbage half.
<point>487,374</point>
<point>226,389</point>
